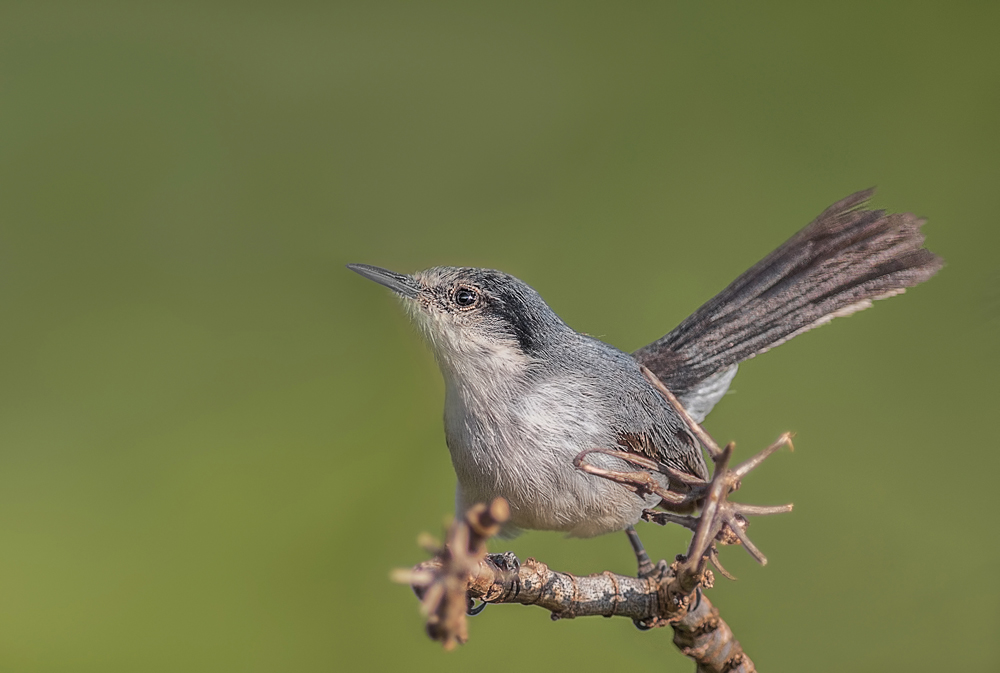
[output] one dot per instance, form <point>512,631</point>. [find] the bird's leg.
<point>646,570</point>
<point>645,565</point>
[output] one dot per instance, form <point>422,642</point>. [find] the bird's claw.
<point>472,609</point>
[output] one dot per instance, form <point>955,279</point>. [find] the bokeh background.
<point>215,441</point>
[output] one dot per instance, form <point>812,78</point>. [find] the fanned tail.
<point>847,258</point>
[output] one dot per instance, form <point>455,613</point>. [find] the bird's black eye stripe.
<point>465,296</point>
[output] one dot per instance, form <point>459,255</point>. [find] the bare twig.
<point>699,432</point>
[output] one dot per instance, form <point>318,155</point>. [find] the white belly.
<point>523,451</point>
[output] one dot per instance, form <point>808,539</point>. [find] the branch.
<point>670,598</point>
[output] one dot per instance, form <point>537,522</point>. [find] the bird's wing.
<point>845,259</point>
<point>679,450</point>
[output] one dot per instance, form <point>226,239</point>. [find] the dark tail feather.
<point>837,265</point>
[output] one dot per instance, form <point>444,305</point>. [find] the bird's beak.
<point>399,283</point>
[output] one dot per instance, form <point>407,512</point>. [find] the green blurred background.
<point>216,441</point>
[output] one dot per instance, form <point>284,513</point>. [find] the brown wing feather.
<point>644,445</point>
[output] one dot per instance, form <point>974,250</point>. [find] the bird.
<point>525,393</point>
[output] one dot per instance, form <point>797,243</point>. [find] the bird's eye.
<point>466,297</point>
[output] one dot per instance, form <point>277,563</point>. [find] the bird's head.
<point>475,319</point>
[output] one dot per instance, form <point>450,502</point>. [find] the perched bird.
<point>526,393</point>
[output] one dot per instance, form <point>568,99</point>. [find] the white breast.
<point>520,444</point>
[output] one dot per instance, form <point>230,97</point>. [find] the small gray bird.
<point>525,393</point>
